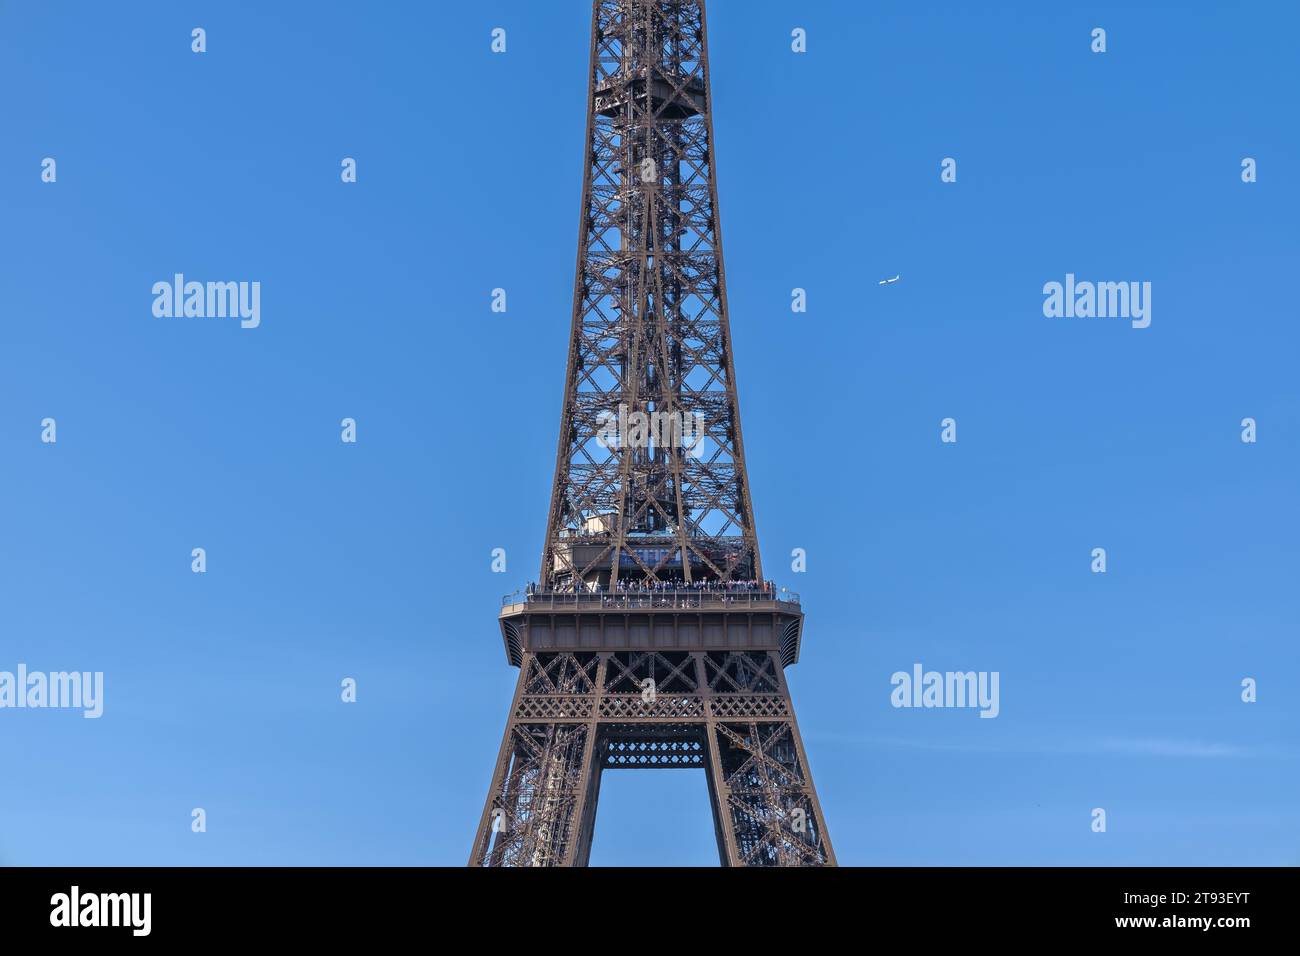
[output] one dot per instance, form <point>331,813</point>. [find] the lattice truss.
<point>769,799</point>
<point>577,714</point>
<point>532,817</point>
<point>650,332</point>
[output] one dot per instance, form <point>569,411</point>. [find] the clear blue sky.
<point>372,560</point>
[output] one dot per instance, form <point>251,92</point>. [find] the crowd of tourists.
<point>678,584</point>
<point>643,586</point>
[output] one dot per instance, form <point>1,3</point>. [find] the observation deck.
<point>686,619</point>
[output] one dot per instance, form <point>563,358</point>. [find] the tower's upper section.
<point>650,479</point>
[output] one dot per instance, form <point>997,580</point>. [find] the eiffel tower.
<point>651,639</point>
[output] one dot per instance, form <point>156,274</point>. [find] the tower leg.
<point>534,808</point>
<point>770,816</point>
<point>765,804</point>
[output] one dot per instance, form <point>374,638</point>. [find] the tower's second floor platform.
<point>766,618</point>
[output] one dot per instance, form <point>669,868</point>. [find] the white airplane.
<point>887,281</point>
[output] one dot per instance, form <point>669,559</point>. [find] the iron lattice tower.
<point>645,643</point>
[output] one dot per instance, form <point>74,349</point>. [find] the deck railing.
<point>686,598</point>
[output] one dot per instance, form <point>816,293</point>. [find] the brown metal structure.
<point>651,640</point>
